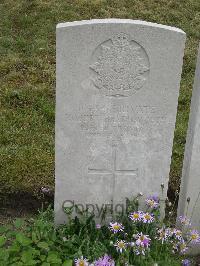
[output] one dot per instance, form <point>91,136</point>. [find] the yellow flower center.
<point>151,202</point>
<point>135,215</point>
<point>116,227</point>
<point>147,217</point>
<point>194,237</point>
<point>182,246</point>
<point>121,245</point>
<point>81,263</point>
<point>162,235</point>
<point>141,238</point>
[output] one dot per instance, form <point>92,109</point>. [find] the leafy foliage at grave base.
<point>135,238</point>
<point>27,69</point>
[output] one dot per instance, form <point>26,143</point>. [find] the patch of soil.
<point>22,205</point>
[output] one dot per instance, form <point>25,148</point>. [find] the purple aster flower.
<point>163,234</point>
<point>155,198</point>
<point>178,234</point>
<point>98,226</point>
<point>121,245</point>
<point>147,218</point>
<point>194,237</point>
<point>152,202</point>
<point>116,227</point>
<point>139,251</point>
<point>186,262</point>
<point>104,261</point>
<point>180,247</point>
<point>81,262</point>
<point>184,220</point>
<point>183,246</point>
<point>143,240</point>
<point>136,216</point>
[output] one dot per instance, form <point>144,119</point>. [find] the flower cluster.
<point>164,234</point>
<point>140,244</point>
<point>141,216</point>
<point>138,238</point>
<point>175,236</point>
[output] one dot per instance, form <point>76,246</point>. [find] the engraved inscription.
<point>120,67</point>
<point>117,120</point>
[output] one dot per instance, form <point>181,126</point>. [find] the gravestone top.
<point>116,20</point>
<point>116,99</point>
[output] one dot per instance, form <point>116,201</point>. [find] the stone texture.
<point>116,101</point>
<point>190,184</point>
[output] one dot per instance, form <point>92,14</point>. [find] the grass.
<point>27,93</point>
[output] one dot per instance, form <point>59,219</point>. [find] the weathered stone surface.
<point>116,100</point>
<point>190,184</point>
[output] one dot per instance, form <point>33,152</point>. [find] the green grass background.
<point>27,87</point>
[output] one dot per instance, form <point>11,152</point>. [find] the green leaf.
<point>10,234</point>
<point>23,240</point>
<point>32,262</point>
<point>26,256</point>
<point>18,223</point>
<point>16,258</point>
<point>45,264</point>
<point>34,251</point>
<point>42,257</point>
<point>43,245</point>
<point>53,258</point>
<point>2,240</point>
<point>67,263</point>
<point>3,229</point>
<point>34,237</point>
<point>15,247</point>
<point>4,255</point>
<point>18,264</point>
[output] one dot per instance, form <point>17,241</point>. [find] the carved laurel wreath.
<point>120,68</point>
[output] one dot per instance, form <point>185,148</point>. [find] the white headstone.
<point>116,101</point>
<point>189,198</point>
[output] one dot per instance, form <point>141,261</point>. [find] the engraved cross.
<point>114,170</point>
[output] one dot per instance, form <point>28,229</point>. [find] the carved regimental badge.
<point>120,66</point>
